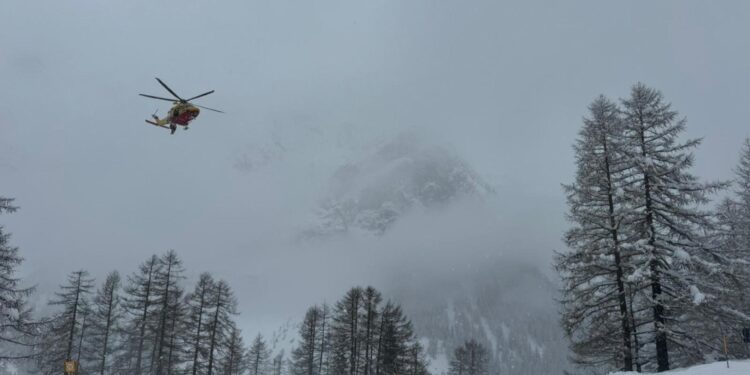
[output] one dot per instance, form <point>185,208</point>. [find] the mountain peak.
<point>401,174</point>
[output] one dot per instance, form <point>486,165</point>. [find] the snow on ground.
<point>717,368</point>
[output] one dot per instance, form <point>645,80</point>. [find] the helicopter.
<point>181,113</point>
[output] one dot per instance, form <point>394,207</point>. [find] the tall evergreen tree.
<point>742,173</point>
<point>324,335</point>
<point>140,302</point>
<point>177,341</point>
<point>60,342</point>
<point>235,359</point>
<point>305,357</point>
<point>16,325</point>
<point>469,359</point>
<point>258,357</point>
<point>198,302</point>
<point>738,215</point>
<point>417,363</point>
<point>733,216</point>
<point>668,224</point>
<point>223,306</point>
<point>168,293</point>
<point>371,299</point>
<point>741,253</point>
<point>346,336</point>
<point>395,337</point>
<point>595,312</point>
<point>105,324</point>
<point>360,337</point>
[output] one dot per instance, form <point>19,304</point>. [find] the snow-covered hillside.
<point>402,174</point>
<point>505,305</point>
<point>717,368</point>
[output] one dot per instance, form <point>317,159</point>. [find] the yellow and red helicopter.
<point>181,113</point>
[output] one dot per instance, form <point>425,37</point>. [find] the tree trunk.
<point>662,352</point>
<point>73,322</point>
<point>626,347</point>
<point>80,340</point>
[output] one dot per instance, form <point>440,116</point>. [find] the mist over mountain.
<point>419,222</point>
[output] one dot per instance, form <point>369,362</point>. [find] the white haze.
<point>308,86</point>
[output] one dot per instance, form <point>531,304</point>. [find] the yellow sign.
<point>71,367</point>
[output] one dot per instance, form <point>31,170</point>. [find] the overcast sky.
<point>503,85</point>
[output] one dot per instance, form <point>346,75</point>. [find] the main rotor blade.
<point>196,97</point>
<point>210,109</point>
<point>157,97</point>
<point>170,90</point>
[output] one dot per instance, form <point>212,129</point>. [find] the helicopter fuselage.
<point>182,114</point>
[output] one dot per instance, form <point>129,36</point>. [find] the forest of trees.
<point>148,323</point>
<point>656,274</point>
<point>144,324</point>
<point>359,335</point>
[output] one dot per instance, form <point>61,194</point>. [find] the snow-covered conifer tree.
<point>105,330</point>
<point>223,306</point>
<point>305,357</point>
<point>258,357</point>
<point>396,335</point>
<point>345,334</point>
<point>371,299</point>
<point>168,294</point>
<point>140,302</point>
<point>198,302</point>
<point>669,227</point>
<point>235,358</point>
<point>64,334</point>
<point>733,216</point>
<point>595,307</point>
<point>471,358</point>
<point>16,326</point>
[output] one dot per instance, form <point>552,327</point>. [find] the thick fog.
<point>308,87</point>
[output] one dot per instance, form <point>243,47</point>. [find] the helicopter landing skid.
<point>156,124</point>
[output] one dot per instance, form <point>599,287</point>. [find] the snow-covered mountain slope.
<point>505,305</point>
<point>717,368</point>
<point>402,174</point>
